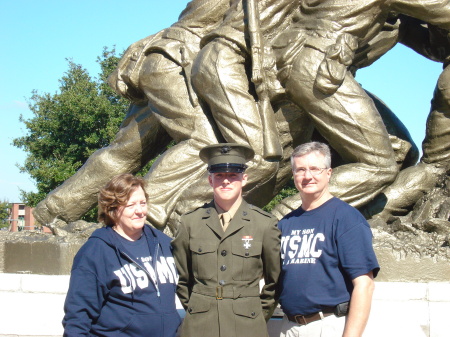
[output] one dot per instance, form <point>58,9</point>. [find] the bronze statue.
<point>413,182</point>
<point>220,76</point>
<point>233,76</point>
<point>314,59</point>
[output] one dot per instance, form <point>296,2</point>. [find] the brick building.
<point>20,217</point>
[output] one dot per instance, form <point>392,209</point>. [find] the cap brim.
<point>227,168</point>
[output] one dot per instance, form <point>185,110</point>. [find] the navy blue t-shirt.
<point>322,251</point>
<point>139,248</point>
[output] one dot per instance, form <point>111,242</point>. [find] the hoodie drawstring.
<point>155,260</point>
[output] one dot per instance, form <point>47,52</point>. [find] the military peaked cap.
<point>226,157</point>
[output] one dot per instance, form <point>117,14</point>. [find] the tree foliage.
<point>4,213</point>
<point>68,126</point>
<point>286,191</point>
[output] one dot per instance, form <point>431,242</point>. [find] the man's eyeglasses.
<point>301,171</point>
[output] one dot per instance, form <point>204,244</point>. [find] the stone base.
<point>45,254</point>
<point>41,254</point>
<point>410,268</point>
<point>42,258</point>
<point>411,256</point>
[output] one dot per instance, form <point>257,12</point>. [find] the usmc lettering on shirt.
<point>301,246</point>
<point>132,276</point>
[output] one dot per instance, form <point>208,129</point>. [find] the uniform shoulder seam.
<point>259,210</point>
<point>195,209</point>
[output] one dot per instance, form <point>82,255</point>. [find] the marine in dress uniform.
<point>221,264</point>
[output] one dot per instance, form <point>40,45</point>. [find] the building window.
<point>21,223</point>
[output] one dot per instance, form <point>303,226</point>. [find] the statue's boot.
<point>410,185</point>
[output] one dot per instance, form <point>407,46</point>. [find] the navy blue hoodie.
<point>110,294</point>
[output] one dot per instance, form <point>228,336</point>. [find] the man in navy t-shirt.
<point>328,259</point>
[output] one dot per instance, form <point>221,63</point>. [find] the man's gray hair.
<point>307,148</point>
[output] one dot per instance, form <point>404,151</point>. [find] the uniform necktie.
<point>225,218</point>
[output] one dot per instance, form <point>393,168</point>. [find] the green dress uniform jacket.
<point>220,271</point>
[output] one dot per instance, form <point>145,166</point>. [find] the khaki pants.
<point>330,326</point>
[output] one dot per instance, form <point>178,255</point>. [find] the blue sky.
<point>38,36</point>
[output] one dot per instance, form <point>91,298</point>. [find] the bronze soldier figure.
<point>154,74</point>
<point>314,57</point>
<point>221,77</point>
<point>411,183</point>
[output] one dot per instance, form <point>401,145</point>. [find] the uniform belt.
<point>306,319</point>
<point>221,292</point>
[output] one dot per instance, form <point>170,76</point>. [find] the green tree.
<point>4,213</point>
<point>286,191</point>
<point>68,126</point>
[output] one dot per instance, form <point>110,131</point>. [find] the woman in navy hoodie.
<point>123,279</point>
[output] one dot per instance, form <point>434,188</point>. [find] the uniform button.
<point>223,267</point>
<point>247,253</point>
<point>224,253</point>
<point>222,282</point>
<point>199,250</point>
<point>253,313</point>
<point>245,213</point>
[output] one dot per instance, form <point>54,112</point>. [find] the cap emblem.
<point>225,149</point>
